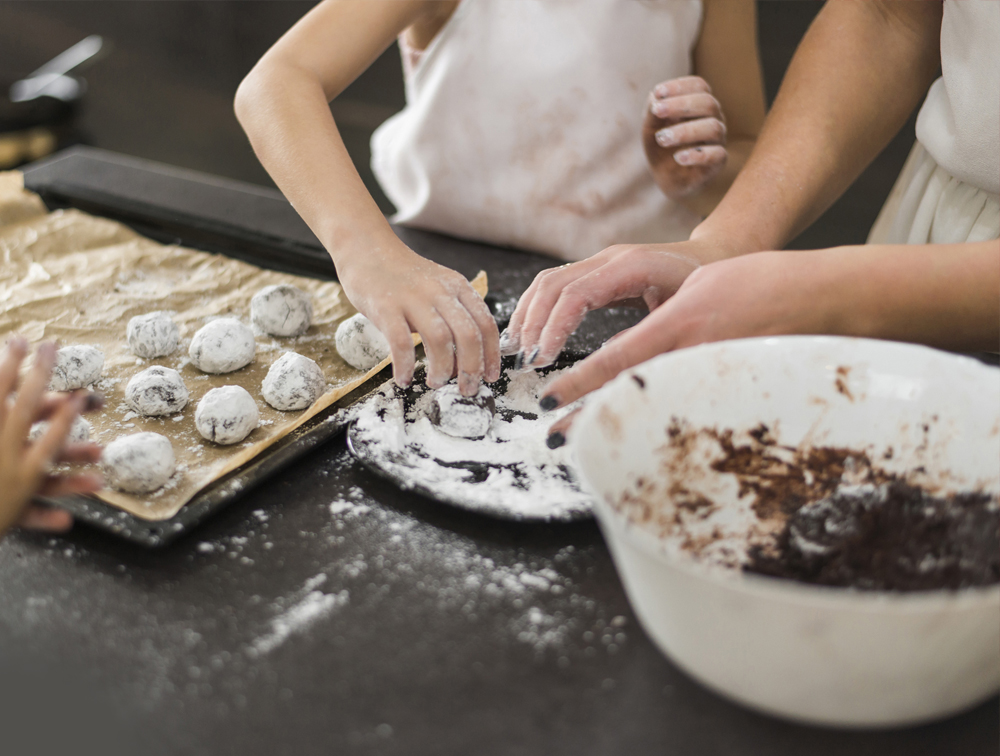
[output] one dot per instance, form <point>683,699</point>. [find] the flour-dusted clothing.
<point>522,124</point>
<point>948,189</point>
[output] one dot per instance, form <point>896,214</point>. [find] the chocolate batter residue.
<point>817,514</point>
<point>894,537</point>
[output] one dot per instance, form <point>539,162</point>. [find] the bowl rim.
<point>636,536</point>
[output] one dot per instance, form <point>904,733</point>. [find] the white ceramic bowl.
<point>817,654</point>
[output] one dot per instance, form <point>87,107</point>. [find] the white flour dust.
<point>511,473</point>
<point>311,606</point>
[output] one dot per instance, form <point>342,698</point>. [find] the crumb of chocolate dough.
<point>894,537</point>
<point>841,382</point>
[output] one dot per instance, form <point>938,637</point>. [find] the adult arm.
<point>860,70</point>
<point>943,295</point>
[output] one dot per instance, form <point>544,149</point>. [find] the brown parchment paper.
<point>78,279</point>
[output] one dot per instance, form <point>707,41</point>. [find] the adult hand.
<point>403,293</point>
<point>24,465</point>
<point>762,294</point>
<point>559,298</point>
<point>684,135</point>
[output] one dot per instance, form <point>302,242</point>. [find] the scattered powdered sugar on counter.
<point>511,473</point>
<point>310,608</point>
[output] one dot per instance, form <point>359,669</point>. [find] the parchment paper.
<point>78,279</point>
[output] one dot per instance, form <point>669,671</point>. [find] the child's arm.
<point>283,104</point>
<point>699,130</point>
<point>23,465</point>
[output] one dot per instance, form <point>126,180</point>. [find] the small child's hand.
<point>402,292</point>
<point>684,135</point>
<point>24,465</point>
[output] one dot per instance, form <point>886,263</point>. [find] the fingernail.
<point>660,109</point>
<point>47,350</point>
<point>18,344</point>
<point>93,402</point>
<point>534,355</point>
<point>519,360</point>
<point>661,90</point>
<point>555,440</point>
<point>508,342</point>
<point>686,157</point>
<point>548,402</point>
<point>666,138</point>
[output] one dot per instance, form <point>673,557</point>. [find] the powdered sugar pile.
<point>511,473</point>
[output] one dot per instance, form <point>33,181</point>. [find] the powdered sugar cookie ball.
<point>76,367</point>
<point>226,415</point>
<point>293,382</point>
<point>79,431</point>
<point>462,416</point>
<point>152,335</point>
<point>281,310</point>
<point>139,463</point>
<point>156,391</point>
<point>360,343</point>
<point>222,346</point>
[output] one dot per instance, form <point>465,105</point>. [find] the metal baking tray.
<point>213,215</point>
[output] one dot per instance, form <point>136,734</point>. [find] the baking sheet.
<point>79,279</point>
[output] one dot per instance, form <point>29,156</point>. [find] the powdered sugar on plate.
<point>511,473</point>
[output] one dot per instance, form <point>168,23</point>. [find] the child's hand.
<point>684,135</point>
<point>403,293</point>
<point>24,465</point>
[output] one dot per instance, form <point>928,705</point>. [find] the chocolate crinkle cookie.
<point>462,416</point>
<point>293,382</point>
<point>360,343</point>
<point>76,367</point>
<point>156,391</point>
<point>79,431</point>
<point>892,537</point>
<point>226,415</point>
<point>140,463</point>
<point>154,334</point>
<point>222,346</point>
<point>281,310</point>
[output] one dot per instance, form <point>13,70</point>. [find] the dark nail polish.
<point>93,402</point>
<point>548,402</point>
<point>519,360</point>
<point>533,355</point>
<point>555,440</point>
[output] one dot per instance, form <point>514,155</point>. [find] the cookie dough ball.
<point>293,382</point>
<point>157,391</point>
<point>360,343</point>
<point>79,431</point>
<point>139,463</point>
<point>152,335</point>
<point>226,415</point>
<point>462,416</point>
<point>281,310</point>
<point>222,346</point>
<point>76,367</point>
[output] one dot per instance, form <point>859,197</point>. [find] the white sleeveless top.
<point>959,123</point>
<point>949,189</point>
<point>522,124</point>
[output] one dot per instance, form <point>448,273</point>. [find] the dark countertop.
<point>329,612</point>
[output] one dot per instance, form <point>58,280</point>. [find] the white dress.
<point>948,189</point>
<point>522,124</point>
